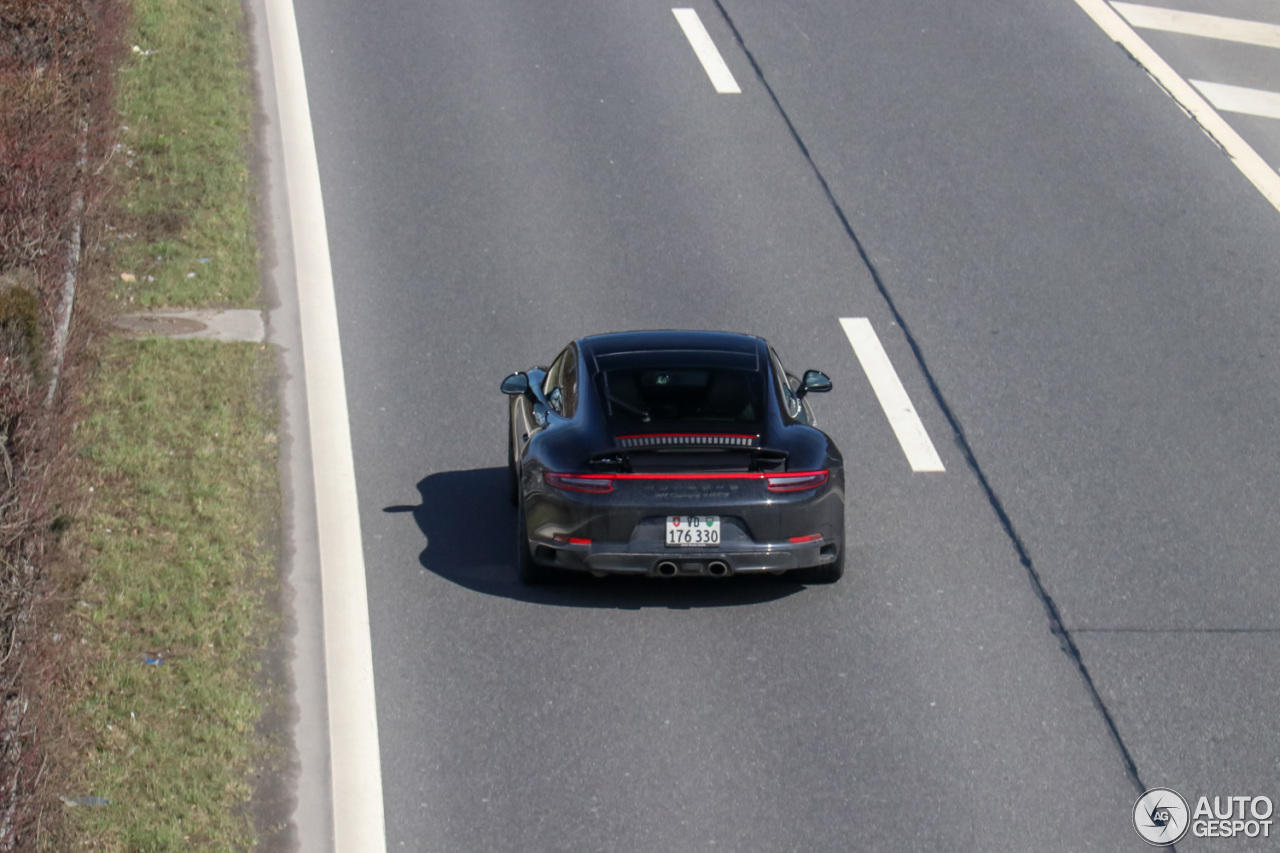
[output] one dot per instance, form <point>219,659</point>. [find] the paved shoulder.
<point>1220,59</point>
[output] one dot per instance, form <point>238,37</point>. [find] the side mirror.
<point>814,380</point>
<point>515,384</point>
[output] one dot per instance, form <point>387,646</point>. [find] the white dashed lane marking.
<point>893,398</point>
<point>705,48</point>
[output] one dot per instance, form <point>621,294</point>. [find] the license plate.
<point>693,531</point>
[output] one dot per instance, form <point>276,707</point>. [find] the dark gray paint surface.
<point>1089,282</point>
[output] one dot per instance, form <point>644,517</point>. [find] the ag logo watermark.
<point>1162,817</point>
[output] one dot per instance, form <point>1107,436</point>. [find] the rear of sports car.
<point>673,521</point>
<point>688,468</point>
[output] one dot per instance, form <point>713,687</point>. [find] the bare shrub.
<point>57,129</point>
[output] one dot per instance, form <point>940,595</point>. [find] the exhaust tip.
<point>717,568</point>
<point>667,569</point>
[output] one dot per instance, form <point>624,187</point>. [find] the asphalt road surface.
<point>1076,288</point>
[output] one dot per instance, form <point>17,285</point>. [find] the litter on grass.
<point>85,801</point>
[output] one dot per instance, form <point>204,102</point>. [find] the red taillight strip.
<point>778,482</point>
<point>813,537</point>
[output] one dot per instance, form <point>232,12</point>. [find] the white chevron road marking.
<point>1200,24</point>
<point>1248,161</point>
<point>1238,99</point>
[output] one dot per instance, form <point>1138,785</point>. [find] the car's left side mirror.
<point>814,380</point>
<point>515,384</point>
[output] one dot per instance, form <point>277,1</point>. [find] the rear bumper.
<point>624,531</point>
<point>628,559</point>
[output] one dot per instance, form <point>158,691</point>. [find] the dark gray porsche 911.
<point>673,454</point>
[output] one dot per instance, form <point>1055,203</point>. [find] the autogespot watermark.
<point>1162,816</point>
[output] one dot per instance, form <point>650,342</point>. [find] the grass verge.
<point>185,232</point>
<point>176,607</point>
<point>172,575</point>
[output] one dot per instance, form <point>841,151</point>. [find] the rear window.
<point>725,395</point>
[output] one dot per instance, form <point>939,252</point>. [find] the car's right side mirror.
<point>814,380</point>
<point>516,384</point>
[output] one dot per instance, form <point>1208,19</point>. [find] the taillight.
<point>595,484</point>
<point>795,482</point>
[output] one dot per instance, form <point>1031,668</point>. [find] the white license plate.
<point>693,531</point>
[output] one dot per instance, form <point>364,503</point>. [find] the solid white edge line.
<point>353,720</point>
<point>893,398</point>
<point>1250,164</point>
<point>705,49</point>
<point>1240,99</point>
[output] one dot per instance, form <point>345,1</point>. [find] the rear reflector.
<point>796,482</point>
<point>562,539</point>
<point>592,484</point>
<point>810,538</point>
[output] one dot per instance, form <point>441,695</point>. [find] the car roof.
<point>728,349</point>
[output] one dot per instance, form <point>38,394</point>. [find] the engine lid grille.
<point>631,442</point>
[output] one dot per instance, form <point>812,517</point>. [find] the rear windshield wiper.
<point>635,410</point>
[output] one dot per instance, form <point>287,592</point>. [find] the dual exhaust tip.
<point>716,568</point>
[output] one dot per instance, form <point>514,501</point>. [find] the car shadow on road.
<point>469,527</point>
